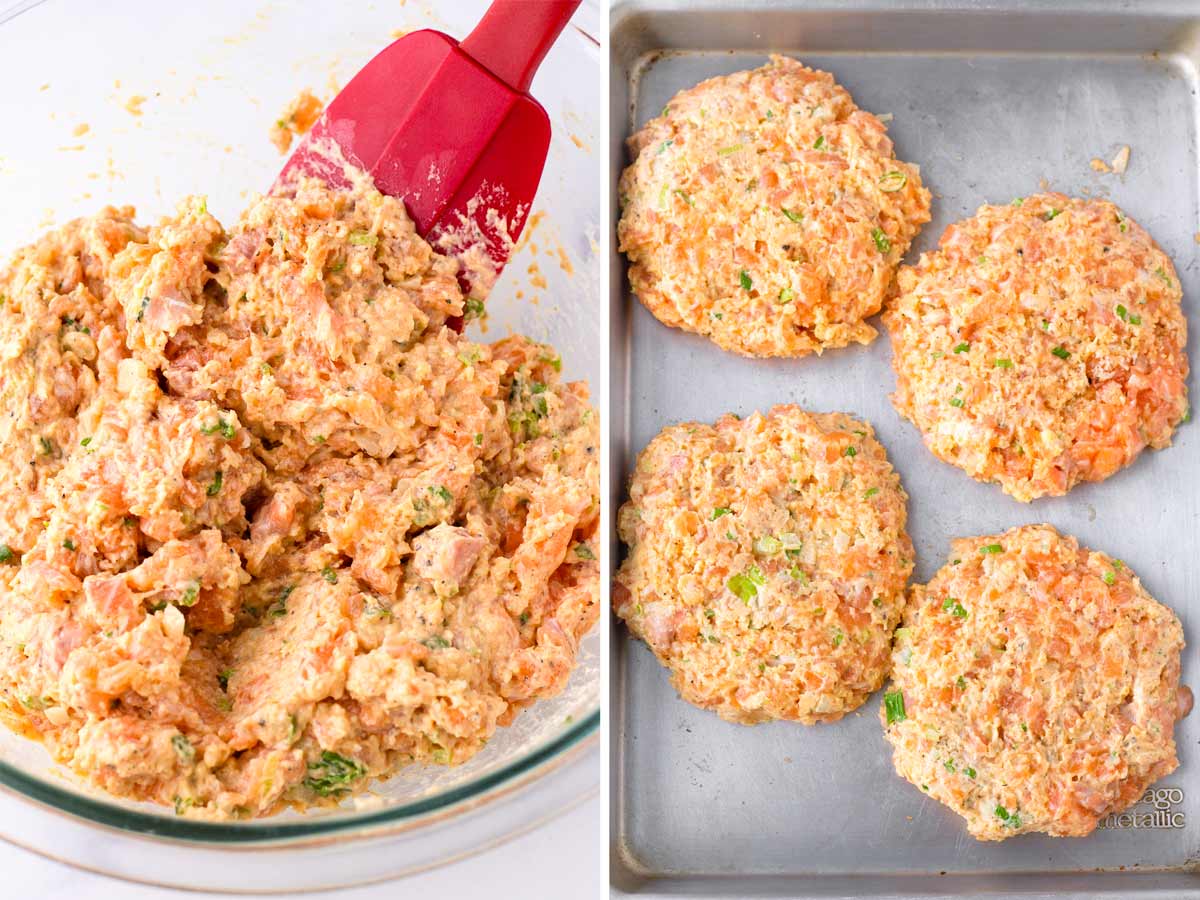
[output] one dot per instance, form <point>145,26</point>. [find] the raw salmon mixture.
<point>1041,344</point>
<point>1035,686</point>
<point>268,528</point>
<point>767,563</point>
<point>767,212</point>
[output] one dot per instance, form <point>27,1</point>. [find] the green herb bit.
<point>1110,578</point>
<point>792,216</point>
<point>745,281</point>
<point>279,607</point>
<point>329,575</point>
<point>870,492</point>
<point>798,573</point>
<point>332,773</point>
<point>882,243</point>
<point>226,428</point>
<point>893,705</point>
<point>1002,813</point>
<point>1061,352</point>
<point>893,181</point>
<point>989,549</point>
<point>437,642</point>
<point>182,804</point>
<point>732,148</point>
<point>1135,319</point>
<point>662,148</point>
<point>1018,201</point>
<point>45,446</point>
<point>1051,214</point>
<point>440,491</point>
<point>686,198</point>
<point>472,309</point>
<point>1163,276</point>
<point>190,594</point>
<point>838,637</point>
<point>479,440</point>
<point>786,295</point>
<point>6,554</point>
<point>523,618</point>
<point>215,487</point>
<point>950,767</point>
<point>183,749</point>
<point>962,348</point>
<point>819,143</point>
<point>141,313</point>
<point>363,238</point>
<point>1002,363</point>
<point>583,551</point>
<point>956,609</point>
<point>85,441</point>
<point>969,772</point>
<point>956,402</point>
<point>69,544</point>
<point>745,585</point>
<point>850,451</point>
<point>961,683</point>
<point>767,545</point>
<point>224,704</point>
<point>223,678</point>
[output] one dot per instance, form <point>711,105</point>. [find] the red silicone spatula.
<point>450,128</point>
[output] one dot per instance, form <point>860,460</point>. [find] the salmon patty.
<point>1041,344</point>
<point>767,563</point>
<point>767,212</point>
<point>1035,686</point>
<point>268,527</point>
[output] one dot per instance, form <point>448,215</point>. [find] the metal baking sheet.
<point>994,100</point>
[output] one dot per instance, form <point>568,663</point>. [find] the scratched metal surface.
<point>990,99</point>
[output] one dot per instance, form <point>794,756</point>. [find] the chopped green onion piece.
<point>745,584</point>
<point>1163,276</point>
<point>472,309</point>
<point>6,554</point>
<point>190,594</point>
<point>583,551</point>
<point>961,684</point>
<point>987,549</point>
<point>215,487</point>
<point>719,511</point>
<point>1002,813</point>
<point>850,451</point>
<point>732,148</point>
<point>893,704</point>
<point>744,280</point>
<point>329,575</point>
<point>1051,214</point>
<point>819,143</point>
<point>787,295</point>
<point>892,182</point>
<point>870,492</point>
<point>767,545</point>
<point>956,402</point>
<point>1061,352</point>
<point>1122,312</point>
<point>962,348</point>
<point>954,607</point>
<point>1110,578</point>
<point>69,544</point>
<point>1135,320</point>
<point>223,678</point>
<point>363,238</point>
<point>437,642</point>
<point>793,216</point>
<point>686,198</point>
<point>85,442</point>
<point>1003,363</point>
<point>882,244</point>
<point>970,773</point>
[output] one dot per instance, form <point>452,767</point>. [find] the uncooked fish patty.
<point>1041,344</point>
<point>1035,685</point>
<point>767,212</point>
<point>767,563</point>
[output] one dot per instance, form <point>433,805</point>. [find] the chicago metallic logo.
<point>1158,808</point>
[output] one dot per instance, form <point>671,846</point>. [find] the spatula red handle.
<point>513,37</point>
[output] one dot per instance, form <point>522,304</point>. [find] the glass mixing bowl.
<point>145,103</point>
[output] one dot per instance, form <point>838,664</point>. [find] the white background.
<point>559,861</point>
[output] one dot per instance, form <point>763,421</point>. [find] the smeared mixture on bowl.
<point>269,528</point>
